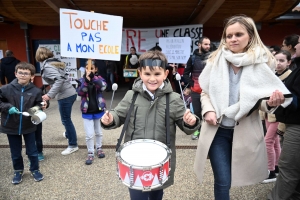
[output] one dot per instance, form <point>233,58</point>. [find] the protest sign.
<point>90,35</point>
<point>176,49</point>
<point>144,39</point>
<point>71,65</point>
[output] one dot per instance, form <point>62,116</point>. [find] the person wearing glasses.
<point>53,72</point>
<point>18,96</point>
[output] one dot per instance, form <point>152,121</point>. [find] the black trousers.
<point>196,104</point>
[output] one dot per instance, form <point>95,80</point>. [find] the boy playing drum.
<point>148,118</point>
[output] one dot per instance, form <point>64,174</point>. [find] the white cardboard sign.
<point>176,49</point>
<point>90,35</point>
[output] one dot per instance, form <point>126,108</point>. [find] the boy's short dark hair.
<point>25,65</point>
<point>153,59</point>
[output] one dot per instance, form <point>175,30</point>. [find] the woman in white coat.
<point>237,75</point>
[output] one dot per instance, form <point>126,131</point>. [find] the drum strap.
<point>126,120</point>
<point>168,120</point>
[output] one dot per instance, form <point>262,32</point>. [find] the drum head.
<point>144,154</point>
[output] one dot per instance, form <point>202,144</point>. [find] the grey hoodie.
<point>53,72</point>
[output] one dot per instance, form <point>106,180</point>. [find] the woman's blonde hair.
<point>42,53</point>
<point>254,39</point>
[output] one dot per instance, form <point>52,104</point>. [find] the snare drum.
<point>143,164</point>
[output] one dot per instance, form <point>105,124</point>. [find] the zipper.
<point>21,109</point>
<point>152,103</point>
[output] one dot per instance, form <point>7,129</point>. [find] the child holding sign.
<point>92,106</point>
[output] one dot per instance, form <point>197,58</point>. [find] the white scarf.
<point>257,81</point>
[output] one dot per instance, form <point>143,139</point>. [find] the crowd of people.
<point>228,106</point>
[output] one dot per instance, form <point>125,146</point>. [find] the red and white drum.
<point>143,164</point>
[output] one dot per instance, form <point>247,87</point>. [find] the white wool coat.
<point>249,157</point>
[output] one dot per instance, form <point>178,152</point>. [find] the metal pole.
<point>27,45</point>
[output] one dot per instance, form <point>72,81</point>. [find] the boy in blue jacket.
<point>16,97</point>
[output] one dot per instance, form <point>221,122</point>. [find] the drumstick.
<point>114,88</point>
<point>178,78</point>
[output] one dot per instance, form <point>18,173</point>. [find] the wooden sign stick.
<point>89,65</point>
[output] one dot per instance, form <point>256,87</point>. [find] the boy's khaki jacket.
<point>147,119</point>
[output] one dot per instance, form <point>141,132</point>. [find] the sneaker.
<point>17,177</point>
<point>41,156</point>
<point>37,176</point>
<point>100,153</point>
<point>276,170</point>
<point>69,150</point>
<point>195,135</point>
<point>89,159</point>
<point>271,178</point>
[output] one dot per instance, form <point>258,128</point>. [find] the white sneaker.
<point>69,150</point>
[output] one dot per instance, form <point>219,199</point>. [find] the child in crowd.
<point>19,96</point>
<point>187,97</point>
<point>92,107</point>
<point>274,128</point>
<point>148,117</point>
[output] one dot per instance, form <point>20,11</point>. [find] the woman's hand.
<point>46,97</point>
<point>276,99</point>
<point>107,118</point>
<point>189,118</point>
<point>211,118</point>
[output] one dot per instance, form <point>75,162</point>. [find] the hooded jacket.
<point>96,85</point>
<point>194,67</point>
<point>147,120</point>
<point>8,65</point>
<point>53,72</point>
<point>23,98</point>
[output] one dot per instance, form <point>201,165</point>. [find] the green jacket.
<point>147,119</point>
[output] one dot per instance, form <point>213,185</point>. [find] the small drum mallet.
<point>114,88</point>
<point>178,78</point>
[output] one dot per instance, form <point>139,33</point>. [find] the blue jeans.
<point>140,195</point>
<point>65,109</point>
<point>109,80</point>
<point>220,158</point>
<point>15,145</point>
